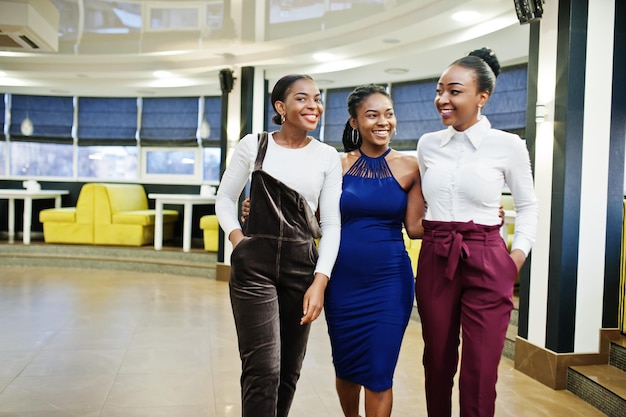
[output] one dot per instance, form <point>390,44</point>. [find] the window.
<point>33,159</point>
<point>108,162</point>
<point>172,165</point>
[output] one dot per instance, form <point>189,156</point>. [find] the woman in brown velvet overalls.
<point>278,275</point>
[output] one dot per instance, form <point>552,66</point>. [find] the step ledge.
<point>109,258</point>
<point>605,376</point>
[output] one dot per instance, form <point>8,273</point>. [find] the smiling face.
<point>302,106</point>
<point>375,120</point>
<point>458,98</point>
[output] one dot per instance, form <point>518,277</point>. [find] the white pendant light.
<point>26,127</point>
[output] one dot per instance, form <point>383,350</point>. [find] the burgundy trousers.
<point>464,285</point>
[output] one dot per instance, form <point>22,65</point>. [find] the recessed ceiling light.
<point>465,16</point>
<point>162,74</point>
<point>396,71</point>
<point>3,74</point>
<point>323,56</point>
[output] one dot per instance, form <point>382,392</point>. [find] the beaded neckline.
<point>368,167</point>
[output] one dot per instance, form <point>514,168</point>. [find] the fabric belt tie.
<point>453,248</point>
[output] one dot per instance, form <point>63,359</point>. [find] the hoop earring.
<point>282,119</point>
<point>479,115</point>
<point>355,137</point>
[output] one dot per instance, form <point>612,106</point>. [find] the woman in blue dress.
<point>369,297</point>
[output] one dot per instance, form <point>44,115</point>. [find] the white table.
<point>28,196</point>
<point>187,200</point>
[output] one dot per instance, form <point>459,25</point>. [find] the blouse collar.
<point>475,133</point>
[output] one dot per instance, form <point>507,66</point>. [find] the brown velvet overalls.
<point>271,269</point>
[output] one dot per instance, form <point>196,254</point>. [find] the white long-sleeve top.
<point>464,173</point>
<point>313,170</point>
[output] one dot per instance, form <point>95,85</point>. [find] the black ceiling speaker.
<point>226,80</point>
<point>528,11</point>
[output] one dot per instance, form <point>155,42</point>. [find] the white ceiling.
<point>419,36</point>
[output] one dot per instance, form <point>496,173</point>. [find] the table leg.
<point>158,226</point>
<point>28,214</point>
<point>187,227</point>
<point>11,220</point>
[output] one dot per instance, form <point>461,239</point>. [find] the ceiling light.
<point>323,56</point>
<point>465,16</point>
<point>162,74</point>
<point>3,74</point>
<point>396,71</point>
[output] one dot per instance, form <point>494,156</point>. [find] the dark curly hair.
<point>485,64</point>
<point>281,89</point>
<point>355,99</point>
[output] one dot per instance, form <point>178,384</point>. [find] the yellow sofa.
<point>210,228</point>
<point>106,214</point>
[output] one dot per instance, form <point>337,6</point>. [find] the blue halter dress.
<point>369,297</point>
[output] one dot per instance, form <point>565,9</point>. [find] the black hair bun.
<point>487,55</point>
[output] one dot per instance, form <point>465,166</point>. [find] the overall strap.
<point>262,149</point>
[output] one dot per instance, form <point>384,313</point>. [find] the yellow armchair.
<point>210,228</point>
<point>106,214</point>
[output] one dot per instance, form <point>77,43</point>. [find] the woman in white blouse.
<point>465,273</point>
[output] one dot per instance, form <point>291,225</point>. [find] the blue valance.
<point>107,121</point>
<point>170,121</point>
<point>414,106</point>
<point>2,111</point>
<point>506,108</point>
<point>336,115</point>
<point>52,118</point>
<point>213,116</point>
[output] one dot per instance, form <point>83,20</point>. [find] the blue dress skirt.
<point>369,297</point>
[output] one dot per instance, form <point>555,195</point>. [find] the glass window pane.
<point>211,172</point>
<point>108,162</point>
<point>160,162</point>
<point>3,156</point>
<point>37,159</point>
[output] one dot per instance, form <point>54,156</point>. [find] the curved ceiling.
<point>115,48</point>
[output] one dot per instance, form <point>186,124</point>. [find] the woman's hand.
<point>245,209</point>
<point>314,299</point>
<point>518,257</point>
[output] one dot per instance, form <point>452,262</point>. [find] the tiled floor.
<point>85,343</point>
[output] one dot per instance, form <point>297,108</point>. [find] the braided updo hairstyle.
<point>351,137</point>
<point>280,91</point>
<point>485,64</point>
